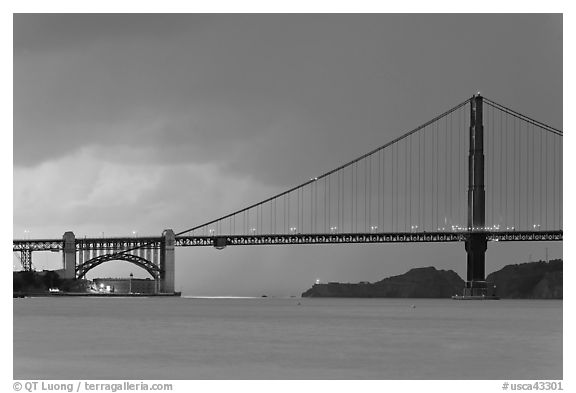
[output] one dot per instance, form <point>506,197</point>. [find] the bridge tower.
<point>167,261</point>
<point>476,243</point>
<point>69,255</point>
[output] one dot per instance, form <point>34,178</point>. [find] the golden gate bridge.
<point>479,172</point>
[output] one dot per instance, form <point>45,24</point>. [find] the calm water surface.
<point>197,338</point>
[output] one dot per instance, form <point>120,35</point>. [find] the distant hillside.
<point>534,280</point>
<point>425,282</point>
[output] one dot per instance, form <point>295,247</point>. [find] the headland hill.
<point>532,280</point>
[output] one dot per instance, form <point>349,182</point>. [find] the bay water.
<point>286,338</point>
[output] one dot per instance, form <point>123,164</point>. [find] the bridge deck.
<point>115,244</point>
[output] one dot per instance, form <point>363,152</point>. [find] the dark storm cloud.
<point>236,89</point>
<point>49,32</point>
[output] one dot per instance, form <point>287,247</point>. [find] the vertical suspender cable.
<point>338,201</point>
<point>514,200</point>
<point>325,206</point>
<point>410,177</point>
<point>437,159</point>
<point>446,154</point>
<point>533,171</point>
<point>451,169</point>
<point>329,203</point>
<point>554,183</point>
<point>352,198</point>
<point>289,215</point>
<point>406,194</point>
<point>506,167</point>
<point>423,180</point>
<point>383,190</point>
<point>527,214</point>
<point>428,195</point>
<point>521,165</point>
<point>393,189</point>
<point>546,180</point>
<point>313,207</point>
<point>493,158</point>
<point>380,225</point>
<point>365,194</point>
<point>397,172</point>
<point>541,180</point>
<point>369,159</point>
<point>501,166</point>
<point>518,146</point>
<point>460,165</point>
<point>419,221</point>
<point>356,198</point>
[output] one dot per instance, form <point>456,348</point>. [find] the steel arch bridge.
<point>145,264</point>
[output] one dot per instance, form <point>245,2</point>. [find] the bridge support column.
<point>69,255</point>
<point>476,244</point>
<point>167,261</point>
<point>26,260</point>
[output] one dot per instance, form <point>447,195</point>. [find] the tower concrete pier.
<point>69,255</point>
<point>167,262</point>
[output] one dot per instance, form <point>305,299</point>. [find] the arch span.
<point>145,264</point>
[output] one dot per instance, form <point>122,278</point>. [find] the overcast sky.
<point>144,122</point>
